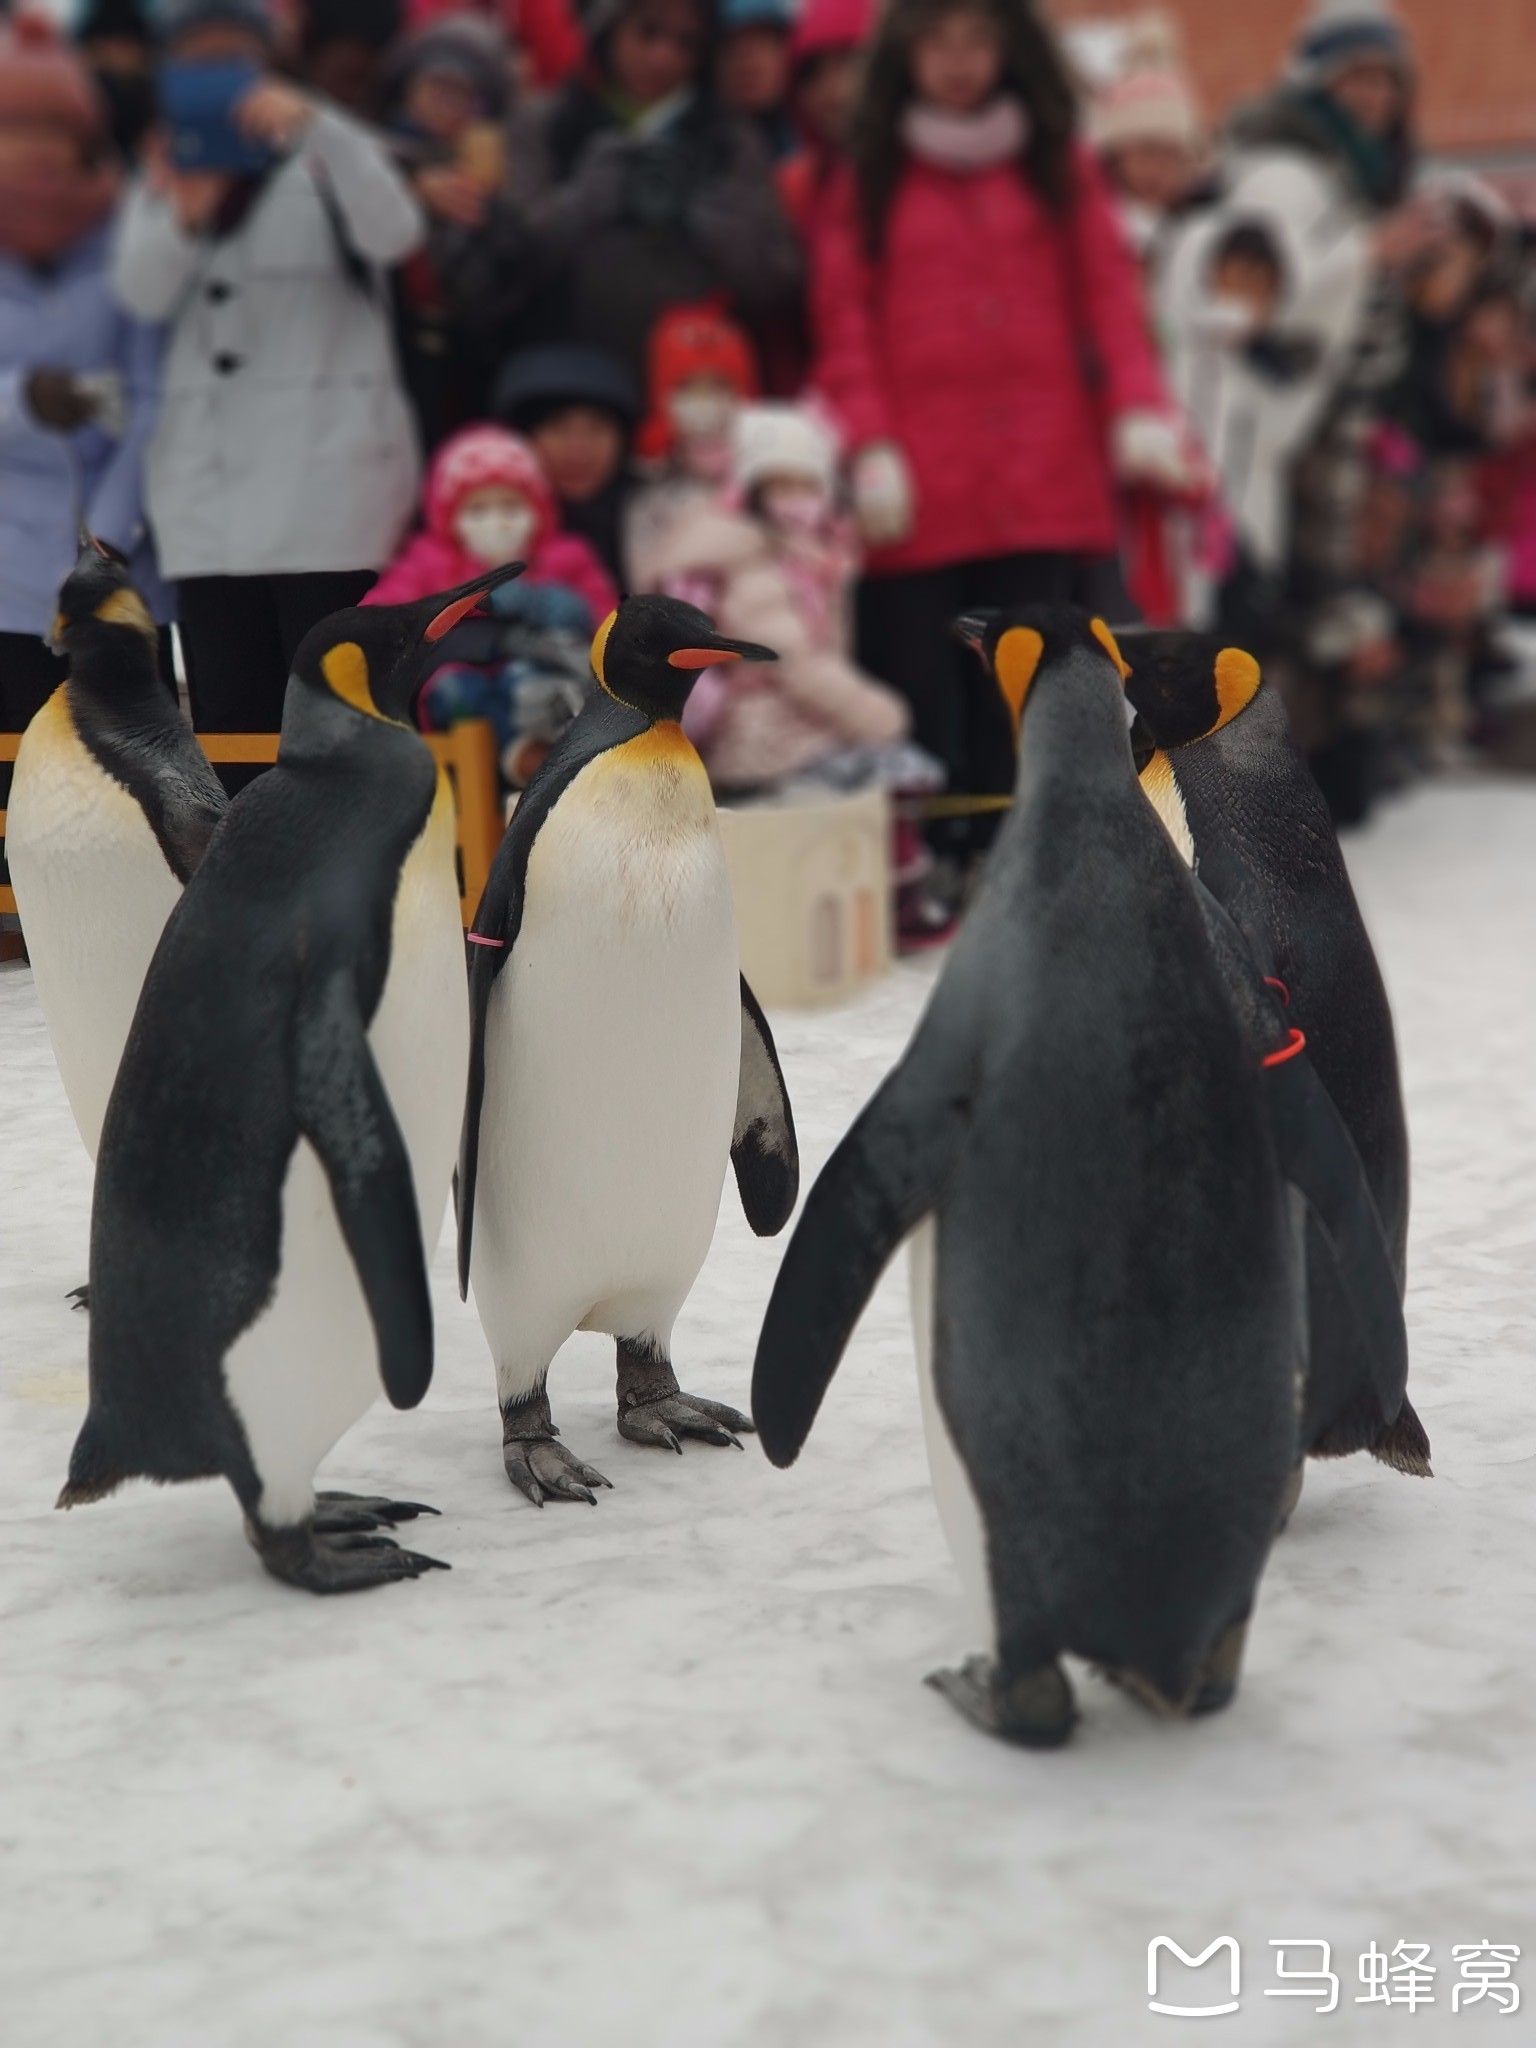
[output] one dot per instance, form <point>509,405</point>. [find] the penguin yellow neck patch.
<point>127,608</point>
<point>1238,677</point>
<point>1014,661</point>
<point>600,648</point>
<point>1111,647</point>
<point>345,669</point>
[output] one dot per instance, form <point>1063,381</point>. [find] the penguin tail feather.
<point>1405,1447</point>
<point>93,1471</point>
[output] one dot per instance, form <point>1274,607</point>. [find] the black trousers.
<point>239,635</point>
<point>904,637</point>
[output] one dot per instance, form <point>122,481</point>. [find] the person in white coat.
<point>284,464</point>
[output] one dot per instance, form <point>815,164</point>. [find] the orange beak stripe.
<point>699,657</point>
<point>450,616</point>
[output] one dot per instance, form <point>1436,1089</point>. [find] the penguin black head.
<point>377,657</point>
<point>1186,686</point>
<point>1016,645</point>
<point>98,605</point>
<point>650,651</point>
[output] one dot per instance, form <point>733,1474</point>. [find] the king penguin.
<point>112,807</point>
<point>1229,782</point>
<point>618,1058</point>
<point>283,1126</point>
<point>1107,1310</point>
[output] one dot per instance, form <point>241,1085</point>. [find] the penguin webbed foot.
<point>344,1561</point>
<point>1033,1711</point>
<point>546,1470</point>
<point>341,1514</point>
<point>654,1410</point>
<point>80,1297</point>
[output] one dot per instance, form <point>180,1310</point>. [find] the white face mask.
<point>699,414</point>
<point>1226,322</point>
<point>795,507</point>
<point>496,534</point>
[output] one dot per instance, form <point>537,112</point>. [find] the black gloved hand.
<point>57,400</point>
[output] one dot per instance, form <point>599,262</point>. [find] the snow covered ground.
<point>663,1771</point>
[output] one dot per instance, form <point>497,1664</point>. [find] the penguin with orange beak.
<point>618,1059</point>
<point>276,1154</point>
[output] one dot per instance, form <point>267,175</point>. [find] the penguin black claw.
<point>80,1297</point>
<point>338,1514</point>
<point>1036,1711</point>
<point>347,1561</point>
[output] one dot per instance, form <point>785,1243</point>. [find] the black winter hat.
<point>179,18</point>
<point>541,381</point>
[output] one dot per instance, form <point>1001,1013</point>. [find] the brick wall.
<point>1477,59</point>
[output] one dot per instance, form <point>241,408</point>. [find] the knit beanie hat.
<point>687,343</point>
<point>538,382</point>
<point>480,456</point>
<point>180,18</point>
<point>781,440</point>
<point>470,46</point>
<point>825,25</point>
<point>1342,33</point>
<point>43,81</point>
<point>1147,106</point>
<point>736,14</point>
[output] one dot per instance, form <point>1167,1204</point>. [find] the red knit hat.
<point>831,25</point>
<point>477,457</point>
<point>43,81</point>
<point>687,342</point>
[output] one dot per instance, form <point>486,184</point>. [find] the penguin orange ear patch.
<point>700,657</point>
<point>1238,677</point>
<point>345,669</point>
<point>1014,661</point>
<point>127,608</point>
<point>1111,647</point>
<point>600,647</point>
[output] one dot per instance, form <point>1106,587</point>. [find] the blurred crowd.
<point>838,321</point>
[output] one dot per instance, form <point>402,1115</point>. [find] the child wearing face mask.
<point>524,666</point>
<point>773,559</point>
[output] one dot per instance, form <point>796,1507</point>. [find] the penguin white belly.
<point>93,890</point>
<point>307,1368</point>
<point>613,1061</point>
<point>959,1514</point>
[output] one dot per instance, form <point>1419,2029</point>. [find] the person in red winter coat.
<point>546,31</point>
<point>487,502</point>
<point>827,53</point>
<point>980,333</point>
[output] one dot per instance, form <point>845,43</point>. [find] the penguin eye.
<point>1237,677</point>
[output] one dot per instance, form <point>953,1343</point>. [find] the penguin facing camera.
<point>1228,780</point>
<point>284,1121</point>
<point>618,1058</point>
<point>112,806</point>
<point>1105,1297</point>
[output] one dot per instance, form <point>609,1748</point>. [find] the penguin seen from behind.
<point>618,1058</point>
<point>282,1131</point>
<point>1234,789</point>
<point>1105,1298</point>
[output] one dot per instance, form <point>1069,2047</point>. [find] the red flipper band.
<point>1298,1043</point>
<point>1285,994</point>
<point>474,939</point>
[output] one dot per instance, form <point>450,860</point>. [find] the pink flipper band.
<point>1298,1043</point>
<point>475,939</point>
<point>1270,981</point>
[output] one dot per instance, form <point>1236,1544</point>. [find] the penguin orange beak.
<point>462,606</point>
<point>723,650</point>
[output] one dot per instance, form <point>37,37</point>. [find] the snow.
<point>662,1771</point>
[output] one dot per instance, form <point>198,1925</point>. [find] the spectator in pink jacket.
<point>979,331</point>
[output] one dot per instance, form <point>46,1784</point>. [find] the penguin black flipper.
<point>1319,1158</point>
<point>604,723</point>
<point>171,779</point>
<point>764,1149</point>
<point>876,1188</point>
<point>341,1106</point>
